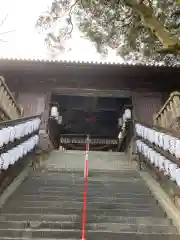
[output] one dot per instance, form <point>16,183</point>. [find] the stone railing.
<point>9,109</point>
<point>160,151</point>
<point>168,116</point>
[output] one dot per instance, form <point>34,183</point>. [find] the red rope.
<point>85,196</point>
<point>84,209</point>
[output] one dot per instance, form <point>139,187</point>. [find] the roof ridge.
<point>96,62</point>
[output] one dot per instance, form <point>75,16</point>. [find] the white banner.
<point>94,141</point>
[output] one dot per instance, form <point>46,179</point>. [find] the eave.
<point>143,75</point>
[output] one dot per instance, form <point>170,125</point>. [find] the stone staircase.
<point>49,203</point>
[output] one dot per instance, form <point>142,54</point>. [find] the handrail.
<point>8,102</point>
<point>10,94</point>
<point>18,120</point>
<point>161,151</point>
<point>169,111</point>
<point>168,131</point>
<point>173,94</point>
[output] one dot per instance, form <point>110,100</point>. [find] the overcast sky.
<point>25,41</point>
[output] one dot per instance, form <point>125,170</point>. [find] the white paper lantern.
<point>127,114</point>
<point>172,148</point>
<point>12,158</point>
<point>177,177</point>
<point>19,131</point>
<point>12,134</point>
<point>2,137</point>
<point>172,170</point>
<point>161,140</point>
<point>177,148</point>
<point>166,143</point>
<point>137,128</point>
<point>166,164</point>
<point>156,162</point>
<point>5,161</point>
<point>162,160</point>
<point>23,130</point>
<point>54,112</point>
<point>6,135</point>
<point>36,137</point>
<point>16,154</point>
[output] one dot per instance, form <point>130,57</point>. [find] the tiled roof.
<point>160,64</point>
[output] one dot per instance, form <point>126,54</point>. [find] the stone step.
<point>33,199</point>
<point>24,238</point>
<point>71,187</point>
<point>90,195</point>
<point>40,233</point>
<point>79,205</point>
<point>91,152</point>
<point>91,234</point>
<point>41,225</point>
<point>127,171</point>
<point>80,180</point>
<point>80,167</point>
<point>41,198</point>
<point>114,237</point>
<point>40,217</point>
<point>133,228</point>
<point>154,212</point>
<point>95,235</point>
<point>148,221</point>
<point>93,173</point>
<point>99,176</point>
<point>74,184</point>
<point>93,218</point>
<point>95,191</point>
<point>106,226</point>
<point>95,187</point>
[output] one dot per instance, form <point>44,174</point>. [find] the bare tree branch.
<point>2,40</point>
<point>3,21</point>
<point>7,32</point>
<point>70,17</point>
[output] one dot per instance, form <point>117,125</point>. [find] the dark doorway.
<point>97,116</point>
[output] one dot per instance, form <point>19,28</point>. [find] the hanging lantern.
<point>127,114</point>
<point>54,112</point>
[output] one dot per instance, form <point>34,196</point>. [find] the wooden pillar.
<point>45,115</point>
